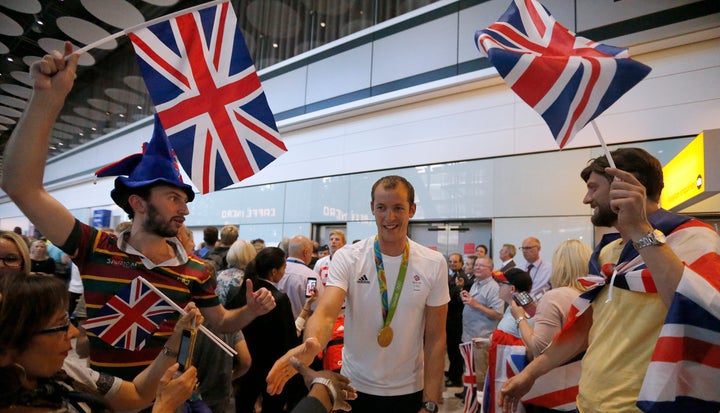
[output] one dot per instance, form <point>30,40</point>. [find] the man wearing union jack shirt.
<point>651,326</point>
<point>154,197</point>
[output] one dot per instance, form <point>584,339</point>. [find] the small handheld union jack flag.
<point>569,80</point>
<point>129,317</point>
<point>208,96</point>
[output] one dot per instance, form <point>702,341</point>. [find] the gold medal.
<point>385,336</point>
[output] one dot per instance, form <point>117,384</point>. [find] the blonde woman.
<point>569,262</point>
<point>241,252</point>
<point>14,253</point>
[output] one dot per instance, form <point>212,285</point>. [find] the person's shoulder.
<point>560,293</point>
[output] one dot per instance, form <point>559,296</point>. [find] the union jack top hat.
<point>155,164</point>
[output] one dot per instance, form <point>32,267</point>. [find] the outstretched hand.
<point>259,302</point>
<point>283,369</point>
<point>341,384</point>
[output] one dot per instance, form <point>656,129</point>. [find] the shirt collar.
<point>180,258</point>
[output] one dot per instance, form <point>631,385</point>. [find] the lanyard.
<point>389,311</point>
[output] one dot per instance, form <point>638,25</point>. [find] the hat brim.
<point>501,278</point>
<point>123,183</point>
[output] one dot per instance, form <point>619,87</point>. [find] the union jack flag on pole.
<point>569,80</point>
<point>470,403</point>
<point>130,317</point>
<point>203,83</point>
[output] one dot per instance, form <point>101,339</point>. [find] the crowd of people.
<point>395,308</point>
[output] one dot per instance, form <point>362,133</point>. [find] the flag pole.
<point>144,25</point>
<point>224,346</point>
<point>602,142</point>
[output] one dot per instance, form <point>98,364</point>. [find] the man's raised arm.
<point>26,151</point>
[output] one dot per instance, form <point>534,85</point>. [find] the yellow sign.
<point>693,174</point>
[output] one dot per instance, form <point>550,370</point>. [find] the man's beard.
<point>604,217</point>
<point>154,225</point>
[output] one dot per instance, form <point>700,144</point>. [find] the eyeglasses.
<point>64,328</point>
<point>12,261</point>
<point>528,248</point>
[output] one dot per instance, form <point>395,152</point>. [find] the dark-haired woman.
<point>268,337</point>
<point>35,373</point>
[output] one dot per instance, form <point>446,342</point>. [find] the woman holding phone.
<point>35,339</point>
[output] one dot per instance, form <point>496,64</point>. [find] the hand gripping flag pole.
<point>224,346</point>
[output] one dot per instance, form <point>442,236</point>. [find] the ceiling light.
<point>322,24</point>
<point>121,115</point>
<point>81,134</point>
<point>275,45</point>
<point>10,59</point>
<point>40,22</point>
<point>93,129</point>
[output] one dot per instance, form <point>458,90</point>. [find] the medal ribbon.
<point>389,311</point>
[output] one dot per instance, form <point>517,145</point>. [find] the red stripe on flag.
<point>220,35</point>
<point>555,398</point>
<point>536,18</point>
<point>257,129</point>
<point>538,79</point>
<point>676,349</point>
<point>587,91</point>
<point>207,154</point>
<point>648,282</point>
<point>708,267</point>
<point>160,62</point>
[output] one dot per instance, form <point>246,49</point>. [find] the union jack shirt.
<point>569,80</point>
<point>202,80</point>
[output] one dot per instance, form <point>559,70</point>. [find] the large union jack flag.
<point>569,80</point>
<point>202,80</point>
<point>129,317</point>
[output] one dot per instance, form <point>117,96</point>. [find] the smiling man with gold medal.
<point>394,343</point>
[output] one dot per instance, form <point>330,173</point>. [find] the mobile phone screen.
<point>310,286</point>
<point>184,351</point>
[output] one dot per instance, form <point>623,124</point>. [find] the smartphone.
<point>525,300</point>
<point>310,286</point>
<point>185,353</point>
<point>522,298</point>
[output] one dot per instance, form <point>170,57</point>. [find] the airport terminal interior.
<point>360,89</point>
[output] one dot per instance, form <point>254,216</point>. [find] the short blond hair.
<point>240,253</point>
<point>570,261</point>
<point>339,233</point>
<point>22,247</point>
